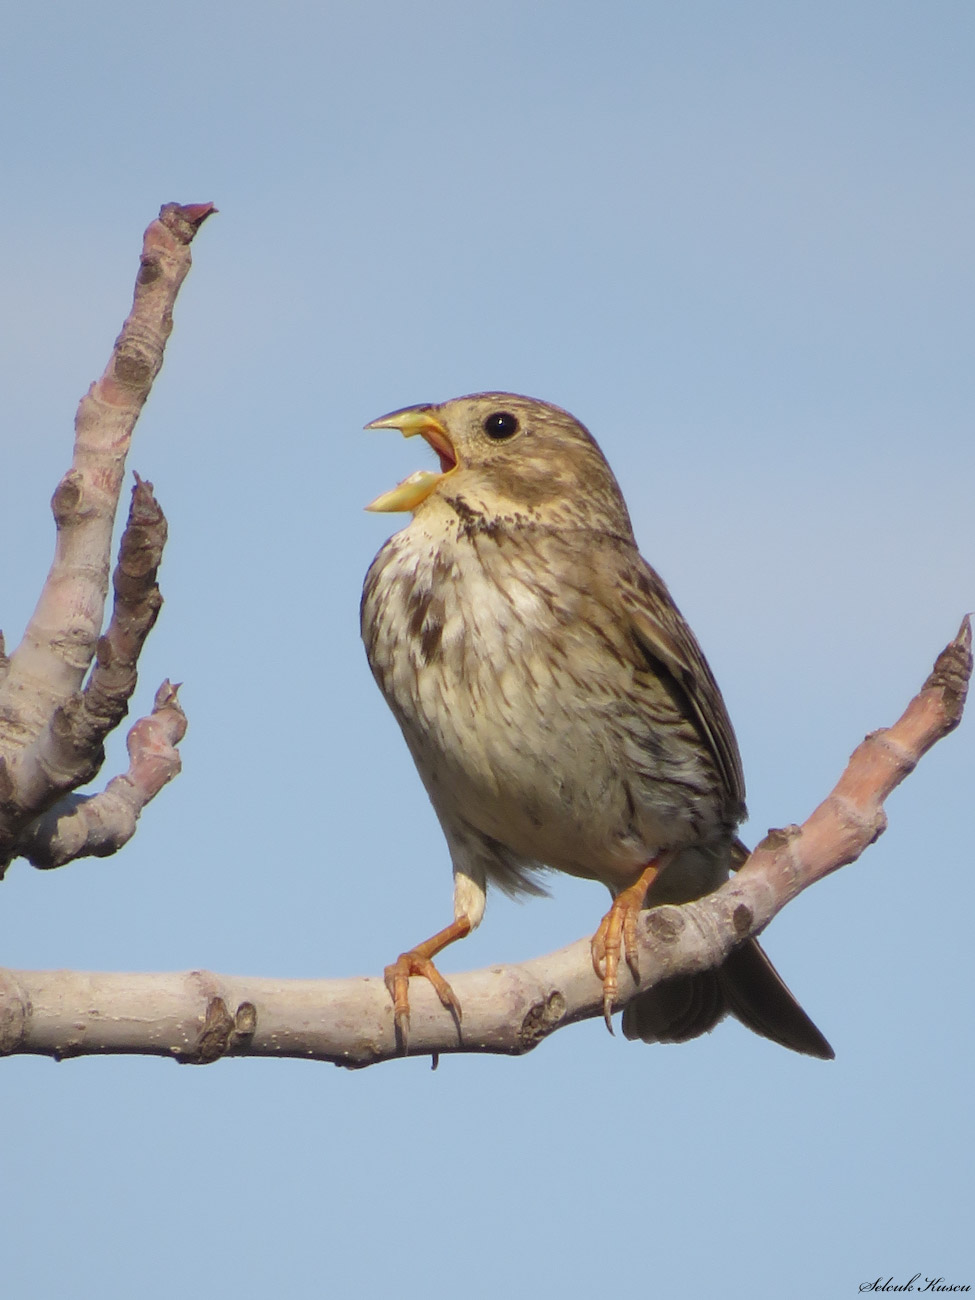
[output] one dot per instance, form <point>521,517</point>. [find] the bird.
<point>558,708</point>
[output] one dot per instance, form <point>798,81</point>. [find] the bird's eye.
<point>501,425</point>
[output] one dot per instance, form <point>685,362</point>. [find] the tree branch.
<point>51,732</point>
<point>98,825</point>
<point>199,1017</point>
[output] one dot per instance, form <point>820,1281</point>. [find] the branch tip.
<point>952,672</point>
<point>184,220</point>
<point>166,697</point>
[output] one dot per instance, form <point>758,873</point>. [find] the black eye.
<point>501,425</point>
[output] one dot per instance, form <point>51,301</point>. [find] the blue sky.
<point>736,240</point>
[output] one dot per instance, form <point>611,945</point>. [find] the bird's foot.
<point>419,961</point>
<point>397,979</point>
<point>616,935</point>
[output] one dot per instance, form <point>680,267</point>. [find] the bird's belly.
<point>517,732</point>
<point>532,776</point>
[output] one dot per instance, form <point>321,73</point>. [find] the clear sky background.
<point>736,241</point>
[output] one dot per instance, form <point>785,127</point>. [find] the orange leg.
<point>616,933</point>
<point>419,961</point>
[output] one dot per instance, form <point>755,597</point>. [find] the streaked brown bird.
<point>558,708</point>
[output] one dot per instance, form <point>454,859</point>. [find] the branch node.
<point>216,1036</point>
<point>245,1020</point>
<point>742,919</point>
<point>540,1020</point>
<point>902,754</point>
<point>778,838</point>
<point>851,815</point>
<point>665,924</point>
<point>66,501</point>
<point>132,368</point>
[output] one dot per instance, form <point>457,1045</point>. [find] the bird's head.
<point>510,460</point>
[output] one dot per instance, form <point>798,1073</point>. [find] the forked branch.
<point>52,724</point>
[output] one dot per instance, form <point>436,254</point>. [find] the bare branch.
<point>68,752</point>
<point>51,734</point>
<point>98,825</point>
<point>137,605</point>
<point>198,1017</point>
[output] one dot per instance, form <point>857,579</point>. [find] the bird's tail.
<point>747,986</point>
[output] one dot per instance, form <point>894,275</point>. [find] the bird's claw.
<point>617,936</point>
<point>606,946</point>
<point>397,978</point>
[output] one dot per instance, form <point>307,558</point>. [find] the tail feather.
<point>747,985</point>
<point>677,1009</point>
<point>758,996</point>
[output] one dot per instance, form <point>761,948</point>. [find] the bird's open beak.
<point>416,488</point>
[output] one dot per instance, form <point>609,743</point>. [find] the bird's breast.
<point>519,715</point>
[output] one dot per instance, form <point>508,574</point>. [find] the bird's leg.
<point>616,933</point>
<point>419,961</point>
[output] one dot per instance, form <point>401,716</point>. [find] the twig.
<point>98,825</point>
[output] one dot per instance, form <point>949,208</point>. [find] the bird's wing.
<point>671,650</point>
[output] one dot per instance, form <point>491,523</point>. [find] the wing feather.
<point>671,650</point>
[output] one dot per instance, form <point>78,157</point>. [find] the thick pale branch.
<point>198,1017</point>
<point>98,825</point>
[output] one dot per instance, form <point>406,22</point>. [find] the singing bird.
<point>558,708</point>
